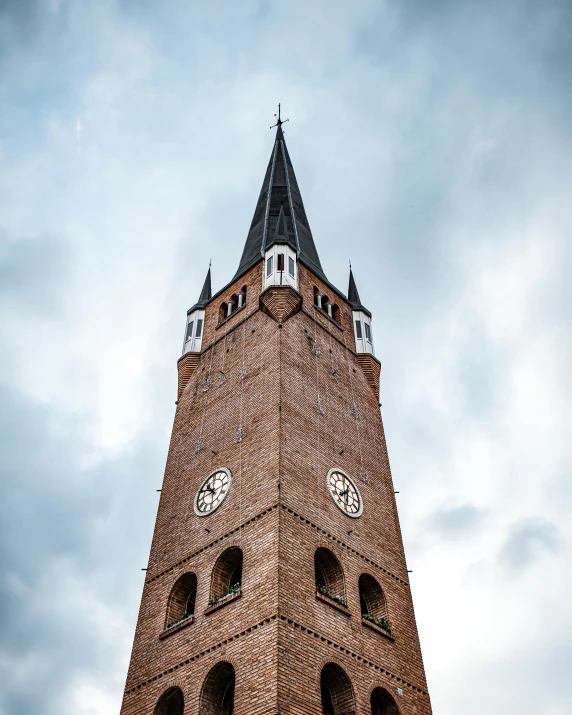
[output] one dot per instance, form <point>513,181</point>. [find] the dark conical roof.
<point>280,201</point>
<point>206,294</point>
<point>353,296</point>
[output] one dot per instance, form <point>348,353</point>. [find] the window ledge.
<point>331,602</point>
<point>326,315</point>
<point>223,601</point>
<point>234,312</point>
<point>379,629</point>
<point>177,627</point>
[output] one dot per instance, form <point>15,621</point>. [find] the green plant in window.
<point>325,591</point>
<point>381,622</point>
<point>231,591</point>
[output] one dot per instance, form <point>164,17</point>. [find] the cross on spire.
<point>279,121</point>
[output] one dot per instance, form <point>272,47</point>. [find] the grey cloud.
<point>528,540</point>
<point>481,373</point>
<point>534,679</point>
<point>54,552</point>
<point>24,22</point>
<point>33,271</point>
<point>458,521</point>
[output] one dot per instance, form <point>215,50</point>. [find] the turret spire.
<point>280,201</point>
<point>353,295</point>
<point>281,234</point>
<point>206,293</point>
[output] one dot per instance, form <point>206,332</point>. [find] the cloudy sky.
<point>432,144</point>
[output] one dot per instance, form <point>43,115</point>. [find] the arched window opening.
<point>181,604</point>
<point>336,691</point>
<point>329,576</point>
<point>232,304</point>
<point>373,603</point>
<point>227,575</point>
<point>322,302</point>
<point>217,694</point>
<point>382,703</point>
<point>170,703</point>
<point>317,298</point>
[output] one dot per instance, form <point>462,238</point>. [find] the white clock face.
<point>213,491</point>
<point>344,493</point>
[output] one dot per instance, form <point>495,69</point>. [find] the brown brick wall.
<point>277,634</point>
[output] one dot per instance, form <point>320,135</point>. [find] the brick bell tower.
<point>277,580</point>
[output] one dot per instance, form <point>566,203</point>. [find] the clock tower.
<point>277,581</point>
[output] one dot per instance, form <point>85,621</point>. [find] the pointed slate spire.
<point>279,195</point>
<point>206,293</point>
<point>353,295</point>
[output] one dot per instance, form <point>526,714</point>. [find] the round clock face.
<point>213,491</point>
<point>344,493</point>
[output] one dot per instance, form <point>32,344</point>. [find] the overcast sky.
<point>432,142</point>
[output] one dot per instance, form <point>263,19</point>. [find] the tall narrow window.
<point>291,266</point>
<point>280,261</point>
<point>329,576</point>
<point>358,329</point>
<point>199,328</point>
<point>336,691</point>
<point>190,330</point>
<point>181,604</point>
<point>373,603</point>
<point>217,694</point>
<point>227,575</point>
<point>367,332</point>
<point>269,264</point>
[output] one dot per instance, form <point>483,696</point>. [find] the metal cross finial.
<point>279,121</point>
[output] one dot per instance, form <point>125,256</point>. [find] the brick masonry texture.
<point>268,378</point>
<point>280,303</point>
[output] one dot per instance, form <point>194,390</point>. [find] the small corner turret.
<point>196,319</point>
<point>361,319</point>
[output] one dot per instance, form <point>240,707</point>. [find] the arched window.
<point>373,603</point>
<point>382,703</point>
<point>227,575</point>
<point>322,302</point>
<point>217,694</point>
<point>337,692</point>
<point>329,576</point>
<point>170,703</point>
<point>236,301</point>
<point>181,604</point>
